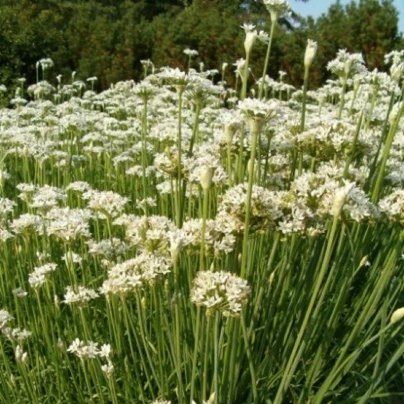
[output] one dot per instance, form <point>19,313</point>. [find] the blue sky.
<point>317,7</point>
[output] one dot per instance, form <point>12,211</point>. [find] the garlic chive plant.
<point>178,241</point>
<point>276,8</point>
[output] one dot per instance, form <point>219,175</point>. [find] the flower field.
<point>179,241</point>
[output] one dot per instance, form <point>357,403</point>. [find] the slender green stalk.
<point>195,353</point>
<point>250,359</point>
<point>299,345</point>
<point>244,253</point>
<point>304,100</point>
<point>342,97</point>
<point>202,258</point>
<point>264,71</point>
<point>179,168</point>
<point>216,357</point>
<point>386,152</point>
<point>244,78</point>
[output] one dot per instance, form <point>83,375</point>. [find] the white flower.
<point>277,8</point>
<point>19,292</point>
<point>133,274</point>
<point>251,35</point>
<point>83,351</point>
<point>5,317</point>
<point>38,277</point>
<point>191,52</point>
<point>81,296</point>
<point>221,291</point>
<point>108,368</point>
<point>347,64</point>
<point>20,355</point>
<point>392,206</point>
<point>107,203</point>
<point>105,351</point>
<point>68,224</point>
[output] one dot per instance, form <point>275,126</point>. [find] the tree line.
<point>109,38</point>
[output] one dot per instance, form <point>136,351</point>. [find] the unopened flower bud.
<point>341,194</point>
<point>20,355</point>
<point>249,41</point>
<point>397,315</point>
<point>311,50</point>
<point>143,302</point>
<point>180,88</point>
<point>175,251</point>
<point>211,399</point>
<point>364,262</point>
<point>206,177</point>
<point>274,16</point>
<point>229,132</point>
<point>255,124</point>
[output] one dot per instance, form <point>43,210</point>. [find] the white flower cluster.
<point>392,206</point>
<point>105,203</point>
<point>148,233</point>
<point>5,317</point>
<point>90,350</point>
<point>264,208</point>
<point>109,248</point>
<point>43,198</point>
<point>205,158</point>
<point>277,8</point>
<point>220,291</point>
<point>38,277</point>
<point>79,295</point>
<point>219,237</point>
<point>68,224</point>
<point>347,64</point>
<point>134,274</point>
<point>396,58</point>
<point>16,334</point>
<point>253,108</point>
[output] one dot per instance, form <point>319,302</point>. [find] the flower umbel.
<point>222,291</point>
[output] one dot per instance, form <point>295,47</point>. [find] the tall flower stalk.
<point>276,9</point>
<point>311,50</point>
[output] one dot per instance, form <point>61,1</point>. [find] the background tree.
<point>109,38</point>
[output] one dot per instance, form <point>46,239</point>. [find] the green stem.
<point>195,354</point>
<point>250,361</point>
<point>179,169</point>
<point>299,345</point>
<point>305,85</point>
<point>243,270</point>
<point>203,230</point>
<point>342,97</point>
<point>245,78</point>
<point>264,72</point>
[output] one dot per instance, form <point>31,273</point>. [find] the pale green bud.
<point>206,177</point>
<point>397,315</point>
<point>311,50</point>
